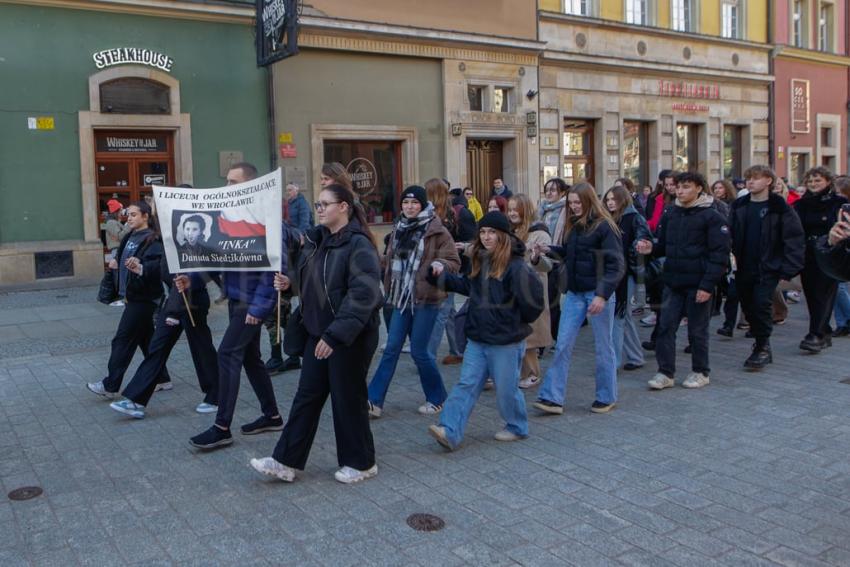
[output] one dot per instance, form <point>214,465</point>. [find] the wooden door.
<point>483,165</point>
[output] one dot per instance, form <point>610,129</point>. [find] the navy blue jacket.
<point>593,260</point>
<point>256,288</point>
<point>300,215</point>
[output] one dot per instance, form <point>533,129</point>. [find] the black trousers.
<point>240,347</point>
<point>678,303</point>
<point>756,296</point>
<point>141,387</point>
<point>820,291</point>
<point>343,376</point>
<point>135,330</point>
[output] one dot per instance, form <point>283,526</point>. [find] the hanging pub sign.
<point>277,30</point>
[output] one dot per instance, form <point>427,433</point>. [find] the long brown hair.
<point>622,197</point>
<point>731,192</point>
<point>438,194</point>
<point>592,212</point>
<point>338,173</point>
<point>525,208</point>
<point>355,211</point>
<point>498,259</point>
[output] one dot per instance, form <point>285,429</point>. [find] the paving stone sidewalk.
<point>752,470</point>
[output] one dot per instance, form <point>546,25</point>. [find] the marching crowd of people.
<point>531,277</point>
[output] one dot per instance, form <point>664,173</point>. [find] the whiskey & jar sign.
<point>277,30</point>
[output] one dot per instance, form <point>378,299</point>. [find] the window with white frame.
<point>637,12</point>
<point>681,14</point>
<point>577,7</point>
<point>825,27</point>
<point>799,23</point>
<point>731,19</point>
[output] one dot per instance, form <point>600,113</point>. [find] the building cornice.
<point>222,13</point>
<point>788,52</point>
<point>632,29</point>
<point>610,64</point>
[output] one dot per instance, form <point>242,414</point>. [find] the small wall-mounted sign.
<point>531,118</point>
<point>153,179</point>
<point>132,56</point>
<point>532,131</point>
<point>288,151</point>
<point>457,129</point>
<point>800,110</point>
<point>41,123</point>
<point>284,138</point>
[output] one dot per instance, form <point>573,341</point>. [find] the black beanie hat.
<point>415,192</point>
<point>496,220</point>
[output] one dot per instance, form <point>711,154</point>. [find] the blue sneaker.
<point>130,408</point>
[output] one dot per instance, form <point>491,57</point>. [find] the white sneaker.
<point>117,303</point>
<point>649,320</point>
<point>529,382</point>
<point>660,381</point>
<point>98,388</point>
<point>695,380</point>
<point>348,475</point>
<point>430,409</point>
<point>406,348</point>
<point>374,411</point>
<point>128,407</point>
<point>505,435</point>
<point>204,407</point>
<point>383,347</point>
<point>164,387</point>
<point>438,432</point>
<point>270,467</point>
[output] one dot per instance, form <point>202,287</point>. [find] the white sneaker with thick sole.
<point>374,411</point>
<point>204,407</point>
<point>505,435</point>
<point>430,409</point>
<point>649,320</point>
<point>270,467</point>
<point>660,381</point>
<point>696,380</point>
<point>97,388</point>
<point>438,432</point>
<point>530,382</point>
<point>348,475</point>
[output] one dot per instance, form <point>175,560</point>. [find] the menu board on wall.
<point>800,123</point>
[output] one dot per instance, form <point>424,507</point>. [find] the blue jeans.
<point>842,306</point>
<point>626,340</point>
<point>445,320</point>
<point>499,362</point>
<point>419,324</point>
<point>573,311</point>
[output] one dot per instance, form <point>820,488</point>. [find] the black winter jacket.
<point>339,277</point>
<point>592,259</point>
<point>145,287</point>
<point>782,241</point>
<point>817,212</point>
<point>500,311</point>
<point>833,260</point>
<point>695,243</point>
<point>632,227</point>
<point>197,295</point>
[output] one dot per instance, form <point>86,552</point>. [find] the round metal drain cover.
<point>25,493</point>
<point>425,522</point>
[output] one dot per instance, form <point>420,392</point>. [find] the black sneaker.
<point>274,365</point>
<point>841,331</point>
<point>688,349</point>
<point>599,407</point>
<point>212,438</point>
<point>549,407</point>
<point>726,331</point>
<point>648,345</point>
<point>262,424</point>
<point>760,357</point>
<point>632,366</point>
<point>812,344</point>
<point>291,363</point>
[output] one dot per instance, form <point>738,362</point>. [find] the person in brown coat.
<point>521,215</point>
<point>418,239</point>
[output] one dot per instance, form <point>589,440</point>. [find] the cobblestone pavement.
<point>752,470</point>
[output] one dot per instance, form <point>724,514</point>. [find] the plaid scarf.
<point>408,248</point>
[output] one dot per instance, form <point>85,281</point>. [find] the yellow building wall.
<point>757,21</point>
<point>709,17</point>
<point>550,5</point>
<point>662,19</point>
<point>612,10</point>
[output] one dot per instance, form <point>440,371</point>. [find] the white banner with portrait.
<point>232,228</point>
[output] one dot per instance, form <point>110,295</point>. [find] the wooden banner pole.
<point>188,309</point>
<point>279,333</point>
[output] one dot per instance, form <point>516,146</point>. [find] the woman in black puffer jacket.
<point>818,211</point>
<point>137,262</point>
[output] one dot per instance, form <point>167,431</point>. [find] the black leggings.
<point>134,331</point>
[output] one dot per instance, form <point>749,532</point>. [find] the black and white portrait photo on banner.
<point>232,228</point>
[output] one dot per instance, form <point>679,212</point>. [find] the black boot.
<point>275,363</point>
<point>813,344</point>
<point>726,331</point>
<point>760,357</point>
<point>291,363</point>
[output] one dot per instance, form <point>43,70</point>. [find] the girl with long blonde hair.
<point>592,253</point>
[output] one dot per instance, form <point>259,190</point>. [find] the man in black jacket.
<point>768,243</point>
<point>694,238</point>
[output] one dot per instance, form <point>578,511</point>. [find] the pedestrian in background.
<point>473,203</point>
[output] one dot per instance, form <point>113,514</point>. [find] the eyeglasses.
<point>322,205</point>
